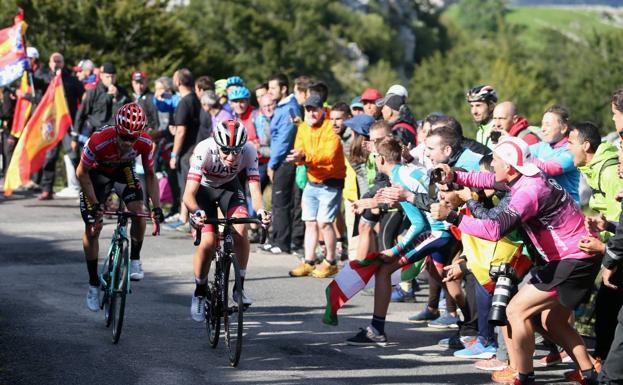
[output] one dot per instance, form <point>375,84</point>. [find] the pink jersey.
<point>551,218</point>
<point>101,151</point>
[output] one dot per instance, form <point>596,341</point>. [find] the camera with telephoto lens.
<point>505,279</point>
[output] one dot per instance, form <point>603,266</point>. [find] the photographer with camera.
<point>555,225</point>
<point>439,243</point>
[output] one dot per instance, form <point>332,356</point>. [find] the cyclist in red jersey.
<point>108,158</point>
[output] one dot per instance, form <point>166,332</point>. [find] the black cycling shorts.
<point>103,184</point>
<point>571,280</point>
<point>229,197</point>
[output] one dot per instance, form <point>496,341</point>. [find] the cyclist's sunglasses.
<point>231,150</point>
<point>127,138</point>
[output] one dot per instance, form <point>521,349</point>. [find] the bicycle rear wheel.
<point>213,306</point>
<point>120,290</point>
<point>233,314</point>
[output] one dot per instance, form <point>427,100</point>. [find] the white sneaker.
<point>68,192</point>
<point>197,309</point>
<point>172,218</point>
<point>246,301</point>
<point>93,298</point>
<point>136,270</point>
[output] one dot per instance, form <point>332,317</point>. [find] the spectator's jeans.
<point>282,203</point>
<point>483,304</point>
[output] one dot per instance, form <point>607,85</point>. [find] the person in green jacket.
<point>599,162</point>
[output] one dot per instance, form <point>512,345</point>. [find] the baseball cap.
<point>313,101</point>
<point>32,52</point>
<point>109,68</point>
<point>356,103</point>
<point>515,151</point>
<point>83,65</point>
<point>392,101</point>
<point>138,76</point>
<point>360,124</point>
<point>371,94</point>
<point>398,89</point>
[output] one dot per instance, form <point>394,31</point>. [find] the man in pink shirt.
<point>555,225</point>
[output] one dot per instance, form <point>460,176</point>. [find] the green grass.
<point>573,23</point>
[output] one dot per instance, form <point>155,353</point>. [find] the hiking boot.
<point>505,376</point>
<point>324,269</point>
<point>367,337</point>
<point>302,270</point>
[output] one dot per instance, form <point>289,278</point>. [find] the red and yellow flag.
<point>22,108</point>
<point>44,130</point>
<point>13,60</point>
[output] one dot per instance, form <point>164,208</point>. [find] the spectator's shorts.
<point>229,197</point>
<point>571,280</point>
<point>125,182</point>
<point>320,202</point>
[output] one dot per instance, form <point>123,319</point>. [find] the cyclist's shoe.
<point>136,270</point>
<point>424,316</point>
<point>246,301</point>
<point>197,309</point>
<point>93,298</point>
<point>367,337</point>
<point>325,269</point>
<point>302,270</point>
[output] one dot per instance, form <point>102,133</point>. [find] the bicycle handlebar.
<point>229,222</point>
<point>130,214</point>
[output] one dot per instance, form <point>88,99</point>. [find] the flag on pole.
<point>47,127</point>
<point>23,108</point>
<point>13,59</point>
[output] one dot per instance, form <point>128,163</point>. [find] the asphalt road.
<point>47,335</point>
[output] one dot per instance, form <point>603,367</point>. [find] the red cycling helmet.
<point>130,120</point>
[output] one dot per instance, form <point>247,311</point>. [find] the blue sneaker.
<point>476,351</point>
<point>399,295</point>
<point>424,315</point>
<point>445,322</point>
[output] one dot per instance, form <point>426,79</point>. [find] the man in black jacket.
<point>145,98</point>
<point>99,106</point>
<point>73,92</point>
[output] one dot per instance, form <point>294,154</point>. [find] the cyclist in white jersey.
<point>215,180</point>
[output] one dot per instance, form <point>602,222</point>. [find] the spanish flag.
<point>13,60</point>
<point>44,130</point>
<point>22,108</point>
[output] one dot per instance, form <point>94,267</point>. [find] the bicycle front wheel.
<point>213,306</point>
<point>120,290</point>
<point>232,316</point>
